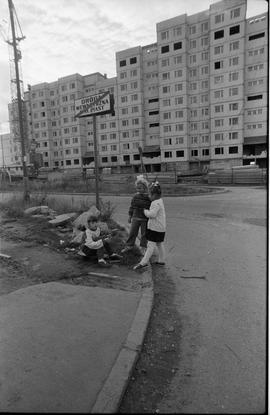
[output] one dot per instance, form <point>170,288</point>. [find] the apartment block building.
<point>197,97</point>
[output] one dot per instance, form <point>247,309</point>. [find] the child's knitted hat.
<point>140,179</point>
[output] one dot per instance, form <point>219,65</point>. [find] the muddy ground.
<point>40,253</point>
<point>37,257</point>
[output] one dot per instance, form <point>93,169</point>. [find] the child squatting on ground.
<point>156,228</point>
<point>137,218</point>
<point>97,245</point>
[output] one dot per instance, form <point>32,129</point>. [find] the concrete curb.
<point>111,393</point>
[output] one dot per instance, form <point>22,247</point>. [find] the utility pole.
<point>2,149</point>
<point>17,57</point>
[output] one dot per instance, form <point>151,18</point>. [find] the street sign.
<point>97,104</point>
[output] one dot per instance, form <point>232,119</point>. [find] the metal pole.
<point>19,98</point>
<point>2,147</point>
<point>96,159</point>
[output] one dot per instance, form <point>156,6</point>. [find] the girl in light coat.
<point>156,228</point>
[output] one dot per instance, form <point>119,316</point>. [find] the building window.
<point>204,98</point>
<point>219,150</point>
<point>166,102</point>
<point>165,49</point>
<point>178,74</point>
<point>233,121</point>
<point>177,59</point>
<point>233,106</point>
<point>155,124</point>
<point>235,13</point>
<point>166,116</point>
<point>204,27</point>
<point>234,30</point>
<point>234,61</point>
<point>133,60</point>
<point>218,93</point>
<point>234,45</point>
<point>168,154</point>
<point>180,153</point>
<point>126,158</point>
<point>165,62</point>
<point>204,56</point>
<point>177,45</point>
<point>219,123</point>
<point>218,49</point>
<point>194,153</point>
<point>233,135</point>
<point>218,64</point>
<point>233,150</point>
<point>205,151</point>
<point>123,75</point>
<point>123,63</point>
<point>179,127</point>
<point>166,89</point>
<point>204,70</point>
<point>164,35</point>
<point>219,18</point>
<point>257,36</point>
<point>233,76</point>
<point>219,34</point>
<point>219,79</point>
<point>166,75</point>
<point>218,136</point>
<point>179,140</point>
<point>219,108</point>
<point>233,92</point>
<point>204,41</point>
<point>153,112</point>
<point>177,31</point>
<point>167,142</point>
<point>254,97</point>
<point>192,44</point>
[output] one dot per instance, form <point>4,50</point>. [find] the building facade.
<point>196,98</point>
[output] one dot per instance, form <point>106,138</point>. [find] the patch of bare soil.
<point>40,253</point>
<point>160,356</point>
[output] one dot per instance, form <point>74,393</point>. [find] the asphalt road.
<point>216,247</point>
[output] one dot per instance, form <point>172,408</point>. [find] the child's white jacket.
<point>157,216</point>
<point>90,239</point>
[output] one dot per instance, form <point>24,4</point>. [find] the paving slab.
<point>59,343</point>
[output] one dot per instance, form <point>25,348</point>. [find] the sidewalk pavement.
<point>70,348</point>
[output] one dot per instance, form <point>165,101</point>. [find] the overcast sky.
<point>82,36</point>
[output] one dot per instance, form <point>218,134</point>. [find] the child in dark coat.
<point>137,218</point>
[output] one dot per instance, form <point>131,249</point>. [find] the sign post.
<point>96,159</point>
<point>102,103</point>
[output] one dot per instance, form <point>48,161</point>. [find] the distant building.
<point>10,151</point>
<point>196,97</point>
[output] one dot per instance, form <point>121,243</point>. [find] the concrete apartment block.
<point>197,97</point>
